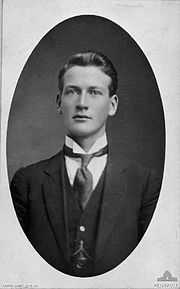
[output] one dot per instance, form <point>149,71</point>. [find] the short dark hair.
<point>91,58</point>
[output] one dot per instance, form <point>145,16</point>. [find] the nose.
<point>82,101</point>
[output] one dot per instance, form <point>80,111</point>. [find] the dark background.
<point>35,129</point>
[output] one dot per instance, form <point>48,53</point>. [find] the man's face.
<point>85,101</point>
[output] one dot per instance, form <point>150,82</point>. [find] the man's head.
<point>91,58</point>
<point>87,94</point>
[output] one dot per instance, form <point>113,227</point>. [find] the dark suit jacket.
<point>130,196</point>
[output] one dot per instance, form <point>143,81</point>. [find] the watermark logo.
<point>167,280</point>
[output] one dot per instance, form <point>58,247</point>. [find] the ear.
<point>113,105</point>
<point>58,103</point>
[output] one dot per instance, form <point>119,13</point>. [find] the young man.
<point>84,210</point>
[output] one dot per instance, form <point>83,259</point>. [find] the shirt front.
<point>96,164</point>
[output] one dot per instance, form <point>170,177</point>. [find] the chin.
<point>84,134</point>
<point>80,133</point>
<point>82,130</point>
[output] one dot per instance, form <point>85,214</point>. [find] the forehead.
<point>86,76</point>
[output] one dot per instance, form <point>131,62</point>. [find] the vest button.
<point>78,266</point>
<point>82,228</point>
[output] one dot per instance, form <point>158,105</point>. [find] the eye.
<point>71,91</point>
<point>94,91</point>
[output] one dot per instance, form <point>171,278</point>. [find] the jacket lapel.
<point>53,188</point>
<point>112,204</point>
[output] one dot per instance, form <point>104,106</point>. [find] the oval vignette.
<point>136,132</point>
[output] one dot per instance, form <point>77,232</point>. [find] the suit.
<point>129,199</point>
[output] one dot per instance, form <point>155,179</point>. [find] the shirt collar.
<point>99,144</point>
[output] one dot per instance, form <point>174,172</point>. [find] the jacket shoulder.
<point>122,162</point>
<point>35,169</point>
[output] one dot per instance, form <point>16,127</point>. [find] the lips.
<point>81,116</point>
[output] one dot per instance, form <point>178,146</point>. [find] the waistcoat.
<point>83,226</point>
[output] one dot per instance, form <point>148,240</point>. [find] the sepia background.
<point>155,27</point>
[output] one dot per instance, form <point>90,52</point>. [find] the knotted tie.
<point>83,182</point>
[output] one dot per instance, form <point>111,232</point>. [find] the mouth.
<point>81,117</point>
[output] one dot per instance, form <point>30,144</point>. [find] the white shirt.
<point>96,164</point>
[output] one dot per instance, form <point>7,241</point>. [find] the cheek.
<point>102,109</point>
<point>67,108</point>
<point>68,102</point>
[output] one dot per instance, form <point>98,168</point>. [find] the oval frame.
<point>140,117</point>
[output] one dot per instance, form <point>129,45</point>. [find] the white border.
<point>155,27</point>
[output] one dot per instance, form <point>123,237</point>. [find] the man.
<point>84,210</point>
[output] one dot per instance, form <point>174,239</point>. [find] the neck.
<point>86,142</point>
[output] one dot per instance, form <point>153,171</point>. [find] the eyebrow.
<point>78,87</point>
<point>72,86</point>
<point>95,87</point>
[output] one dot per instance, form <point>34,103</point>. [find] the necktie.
<point>83,182</point>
